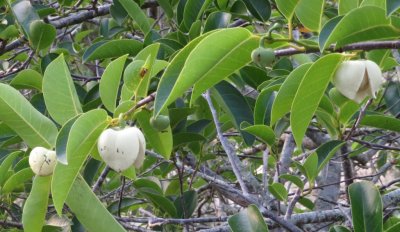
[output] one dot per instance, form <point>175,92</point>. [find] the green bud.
<point>263,56</point>
<point>160,123</point>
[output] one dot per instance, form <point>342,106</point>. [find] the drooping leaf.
<point>279,191</point>
<point>110,81</point>
<point>59,92</point>
<point>112,49</point>
<point>260,9</point>
<point>81,140</point>
<point>17,113</point>
<point>27,79</point>
<point>362,24</point>
<point>294,179</point>
<point>366,207</point>
<point>287,92</point>
<point>310,12</point>
<point>186,204</point>
<point>193,10</point>
<point>159,201</point>
<point>326,151</point>
<point>6,164</point>
<point>17,180</point>
<point>263,107</point>
<point>238,109</point>
<point>382,122</point>
<point>136,13</point>
<point>41,34</point>
<point>62,140</point>
<point>310,93</point>
<point>89,210</point>
<point>35,208</point>
<point>392,96</point>
<point>263,132</point>
<point>311,167</point>
<point>248,220</point>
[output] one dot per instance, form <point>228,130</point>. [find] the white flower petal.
<point>349,77</point>
<point>374,75</point>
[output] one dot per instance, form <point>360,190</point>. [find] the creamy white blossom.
<point>42,161</point>
<point>120,148</point>
<point>358,79</point>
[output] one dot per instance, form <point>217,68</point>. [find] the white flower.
<point>42,161</point>
<point>358,79</point>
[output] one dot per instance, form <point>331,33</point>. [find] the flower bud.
<point>42,161</point>
<point>358,79</point>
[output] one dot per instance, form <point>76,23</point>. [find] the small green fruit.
<point>263,56</point>
<point>160,123</point>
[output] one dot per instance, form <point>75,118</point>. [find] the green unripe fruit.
<point>263,56</point>
<point>160,123</point>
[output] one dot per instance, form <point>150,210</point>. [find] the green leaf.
<point>41,34</point>
<point>89,210</point>
<point>150,53</point>
<point>366,207</point>
<point>35,208</point>
<point>112,49</point>
<point>62,140</point>
<point>110,81</point>
<point>310,93</point>
<point>311,166</point>
<point>193,11</point>
<point>17,113</point>
<point>160,141</point>
<point>186,137</point>
<point>382,122</point>
<point>260,9</point>
<point>326,151</point>
<point>136,13</point>
<point>24,13</point>
<point>248,220</point>
<point>81,140</point>
<point>278,190</point>
<point>287,7</point>
<point>217,20</point>
<point>59,92</point>
<point>310,12</point>
<point>393,228</point>
<point>27,79</point>
<point>186,204</point>
<point>238,109</point>
<point>232,51</point>
<point>171,74</point>
<point>392,96</point>
<point>262,109</point>
<point>263,132</point>
<point>361,24</point>
<point>287,92</point>
<point>294,179</point>
<point>392,6</point>
<point>159,201</point>
<point>345,6</point>
<point>17,180</point>
<point>6,165</point>
<point>339,228</point>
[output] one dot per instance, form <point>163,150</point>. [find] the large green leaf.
<point>248,220</point>
<point>287,7</point>
<point>287,92</point>
<point>17,113</point>
<point>217,20</point>
<point>81,140</point>
<point>310,93</point>
<point>160,141</point>
<point>89,210</point>
<point>136,13</point>
<point>310,12</point>
<point>326,151</point>
<point>24,13</point>
<point>361,24</point>
<point>260,9</point>
<point>59,92</point>
<point>366,207</point>
<point>27,79</point>
<point>35,208</point>
<point>392,6</point>
<point>204,67</point>
<point>111,49</point>
<point>238,109</point>
<point>41,34</point>
<point>171,74</point>
<point>186,204</point>
<point>193,10</point>
<point>6,164</point>
<point>62,140</point>
<point>110,81</point>
<point>382,122</point>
